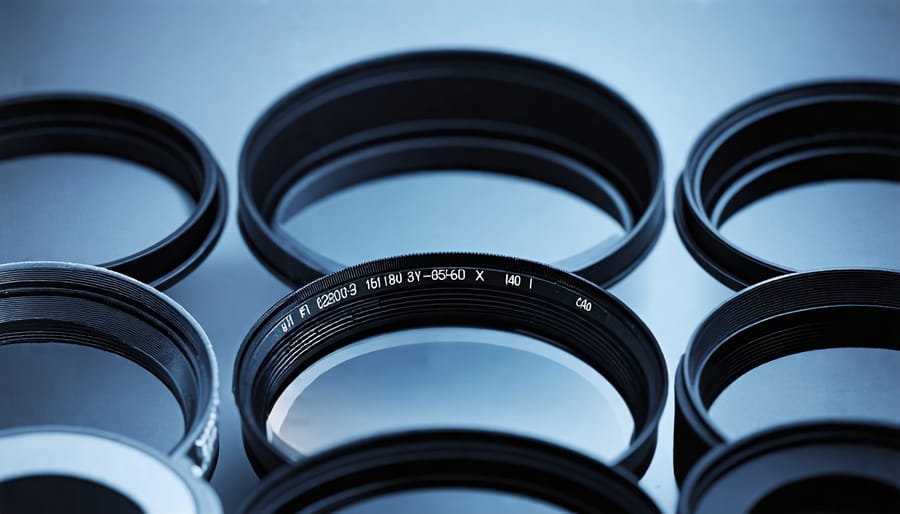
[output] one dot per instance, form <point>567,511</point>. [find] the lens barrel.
<point>450,290</point>
<point>776,318</point>
<point>460,459</point>
<point>825,467</point>
<point>95,124</point>
<point>800,135</point>
<point>92,306</point>
<point>451,110</point>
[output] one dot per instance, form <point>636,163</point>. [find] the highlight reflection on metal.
<point>104,471</point>
<point>88,305</point>
<point>681,64</point>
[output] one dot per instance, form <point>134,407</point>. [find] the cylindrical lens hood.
<point>827,467</point>
<point>103,473</point>
<point>773,319</point>
<point>459,459</point>
<point>92,306</point>
<point>446,290</point>
<point>94,124</point>
<point>817,132</point>
<point>446,110</point>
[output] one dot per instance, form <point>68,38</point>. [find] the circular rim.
<point>457,289</point>
<point>795,453</point>
<point>104,125</point>
<point>145,476</point>
<point>588,140</point>
<point>793,136</point>
<point>471,459</point>
<point>773,319</point>
<point>152,330</point>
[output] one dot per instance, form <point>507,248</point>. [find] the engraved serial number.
<point>448,277</point>
<point>333,297</point>
<point>390,279</point>
<point>448,274</point>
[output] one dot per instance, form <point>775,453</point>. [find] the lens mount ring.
<point>799,135</point>
<point>861,463</point>
<point>92,306</point>
<point>457,458</point>
<point>450,289</point>
<point>779,317</point>
<point>149,480</point>
<point>445,110</point>
<point>103,125</point>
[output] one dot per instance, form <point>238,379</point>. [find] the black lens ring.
<point>441,110</point>
<point>467,459</point>
<point>810,133</point>
<point>740,476</point>
<point>103,125</point>
<point>93,306</point>
<point>152,482</point>
<point>773,319</point>
<point>468,290</point>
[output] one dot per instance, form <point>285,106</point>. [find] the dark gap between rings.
<point>40,494</point>
<point>830,494</point>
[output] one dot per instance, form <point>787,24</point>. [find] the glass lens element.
<point>450,211</point>
<point>451,377</point>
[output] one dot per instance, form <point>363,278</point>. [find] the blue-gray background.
<point>217,65</point>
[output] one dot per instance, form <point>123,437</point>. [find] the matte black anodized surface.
<point>461,459</point>
<point>472,110</point>
<point>782,316</point>
<point>800,135</point>
<point>87,305</point>
<point>104,125</point>
<point>451,289</point>
<point>682,64</point>
<point>805,467</point>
